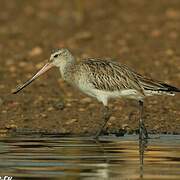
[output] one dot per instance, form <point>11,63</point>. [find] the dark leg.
<point>105,118</point>
<point>143,134</point>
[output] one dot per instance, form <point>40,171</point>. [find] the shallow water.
<point>55,157</point>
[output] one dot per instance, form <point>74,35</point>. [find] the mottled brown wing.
<point>111,76</point>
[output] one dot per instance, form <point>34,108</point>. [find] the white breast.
<point>103,96</point>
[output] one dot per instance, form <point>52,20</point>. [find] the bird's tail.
<point>169,88</point>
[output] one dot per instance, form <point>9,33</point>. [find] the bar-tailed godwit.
<point>104,79</point>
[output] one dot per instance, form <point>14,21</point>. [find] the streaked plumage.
<point>94,76</point>
<point>105,79</point>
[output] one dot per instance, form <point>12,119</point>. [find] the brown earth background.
<point>144,35</point>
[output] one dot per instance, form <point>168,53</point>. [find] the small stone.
<point>71,121</point>
<point>9,62</point>
<point>109,123</point>
<point>86,100</point>
<point>155,33</point>
<point>82,109</point>
<point>156,127</point>
<point>68,104</point>
<point>92,105</point>
<point>40,98</point>
<point>43,115</point>
<point>169,52</point>
<point>22,64</point>
<point>173,14</point>
<point>60,105</point>
<point>173,35</point>
<point>35,51</point>
<point>64,131</point>
<point>2,86</point>
<point>11,126</point>
<point>69,94</point>
<point>85,129</point>
<point>50,109</point>
<point>13,104</point>
<point>3,131</point>
<point>112,118</point>
<point>125,126</point>
<point>12,69</point>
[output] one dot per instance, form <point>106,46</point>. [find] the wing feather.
<point>111,76</point>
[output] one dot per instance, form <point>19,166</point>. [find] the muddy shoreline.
<point>143,35</point>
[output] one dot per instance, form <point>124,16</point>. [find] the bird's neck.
<point>67,65</point>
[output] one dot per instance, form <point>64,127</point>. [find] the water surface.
<point>53,157</point>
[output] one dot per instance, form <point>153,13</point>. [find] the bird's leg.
<point>106,115</point>
<point>143,134</point>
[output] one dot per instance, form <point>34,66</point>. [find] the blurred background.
<point>141,34</point>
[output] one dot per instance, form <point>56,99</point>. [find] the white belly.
<point>103,96</point>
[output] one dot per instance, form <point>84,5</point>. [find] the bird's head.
<point>59,58</point>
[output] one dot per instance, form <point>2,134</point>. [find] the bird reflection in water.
<point>142,147</point>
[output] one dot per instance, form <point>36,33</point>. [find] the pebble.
<point>65,131</point>
<point>155,33</point>
<point>92,105</point>
<point>11,126</point>
<point>3,131</point>
<point>125,126</point>
<point>13,104</point>
<point>156,127</point>
<point>60,105</point>
<point>40,98</point>
<point>85,129</point>
<point>173,14</point>
<point>9,62</point>
<point>68,104</point>
<point>22,64</point>
<point>43,115</point>
<point>169,52</point>
<point>50,109</point>
<point>12,69</point>
<point>35,51</point>
<point>2,86</point>
<point>86,100</point>
<point>173,35</point>
<point>109,123</point>
<point>112,118</point>
<point>71,121</point>
<point>82,109</point>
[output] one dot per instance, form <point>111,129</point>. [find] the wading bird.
<point>104,79</point>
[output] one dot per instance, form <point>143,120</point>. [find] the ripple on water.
<point>49,157</point>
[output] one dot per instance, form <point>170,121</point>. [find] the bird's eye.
<point>55,56</point>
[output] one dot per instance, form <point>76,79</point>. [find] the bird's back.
<point>111,76</point>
